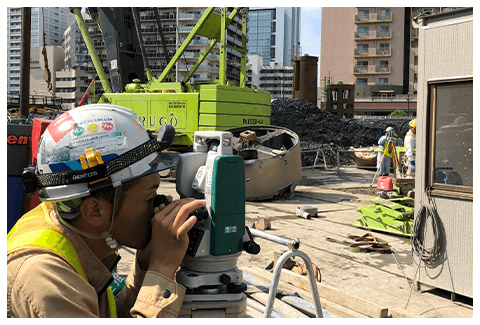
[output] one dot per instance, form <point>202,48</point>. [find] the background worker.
<point>410,145</point>
<point>97,175</point>
<point>386,151</point>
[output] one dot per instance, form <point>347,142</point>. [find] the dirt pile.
<point>319,129</point>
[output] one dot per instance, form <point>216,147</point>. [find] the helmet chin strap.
<point>106,235</point>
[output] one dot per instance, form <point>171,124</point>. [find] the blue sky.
<point>311,30</point>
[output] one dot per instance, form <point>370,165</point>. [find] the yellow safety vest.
<point>385,151</point>
<point>36,231</point>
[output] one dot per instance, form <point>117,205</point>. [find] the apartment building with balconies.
<point>376,49</point>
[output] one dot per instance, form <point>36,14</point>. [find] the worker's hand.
<point>163,205</point>
<point>169,241</point>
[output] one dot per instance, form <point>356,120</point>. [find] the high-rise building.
<point>274,34</point>
<point>47,27</point>
<point>177,23</point>
<point>376,49</point>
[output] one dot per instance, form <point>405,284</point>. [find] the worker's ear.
<point>96,212</point>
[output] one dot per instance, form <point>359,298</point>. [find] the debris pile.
<point>319,129</point>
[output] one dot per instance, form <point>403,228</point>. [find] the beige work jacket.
<point>44,285</point>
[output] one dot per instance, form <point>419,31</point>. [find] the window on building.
<point>384,46</point>
<point>363,14</point>
<point>362,30</point>
<point>384,31</point>
<point>383,81</point>
<point>361,81</point>
<point>362,47</point>
<point>450,138</point>
<point>384,14</point>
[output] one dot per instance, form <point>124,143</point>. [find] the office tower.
<point>274,34</point>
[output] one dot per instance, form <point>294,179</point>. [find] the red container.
<point>385,183</point>
<point>39,126</point>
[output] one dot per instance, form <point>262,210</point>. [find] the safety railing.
<point>318,152</point>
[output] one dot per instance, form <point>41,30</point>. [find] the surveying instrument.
<point>214,284</point>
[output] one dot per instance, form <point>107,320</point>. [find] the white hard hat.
<point>94,147</point>
<point>390,129</point>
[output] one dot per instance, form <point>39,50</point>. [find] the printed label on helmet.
<point>97,125</point>
<point>105,143</point>
<point>92,127</point>
<point>78,131</point>
<point>107,126</point>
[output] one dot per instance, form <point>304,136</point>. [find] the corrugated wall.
<point>445,52</point>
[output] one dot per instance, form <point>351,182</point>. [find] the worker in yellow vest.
<point>386,151</point>
<point>97,175</point>
<point>410,148</point>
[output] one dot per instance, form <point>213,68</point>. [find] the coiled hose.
<point>426,212</point>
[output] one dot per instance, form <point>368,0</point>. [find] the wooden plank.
<point>253,313</point>
<point>287,288</point>
<point>332,294</point>
<point>279,306</point>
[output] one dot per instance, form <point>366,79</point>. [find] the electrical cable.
<point>427,254</point>
<point>430,254</point>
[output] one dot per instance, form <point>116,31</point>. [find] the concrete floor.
<point>378,278</point>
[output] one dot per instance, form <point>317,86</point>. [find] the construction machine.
<point>207,105</point>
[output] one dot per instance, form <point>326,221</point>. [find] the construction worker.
<point>386,151</point>
<point>410,147</point>
<point>97,175</point>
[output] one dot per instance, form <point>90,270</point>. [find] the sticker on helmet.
<point>61,126</point>
<point>92,127</point>
<point>105,143</point>
<point>78,131</point>
<point>107,126</point>
<point>138,124</point>
<point>97,125</point>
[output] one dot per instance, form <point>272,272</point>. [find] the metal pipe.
<point>164,44</point>
<point>25,61</point>
<point>276,278</point>
<point>338,162</point>
<point>243,66</point>
<point>222,47</point>
<point>293,245</point>
<point>91,50</point>
<point>136,22</point>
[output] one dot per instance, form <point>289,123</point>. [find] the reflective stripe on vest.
<point>386,152</point>
<point>36,231</point>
